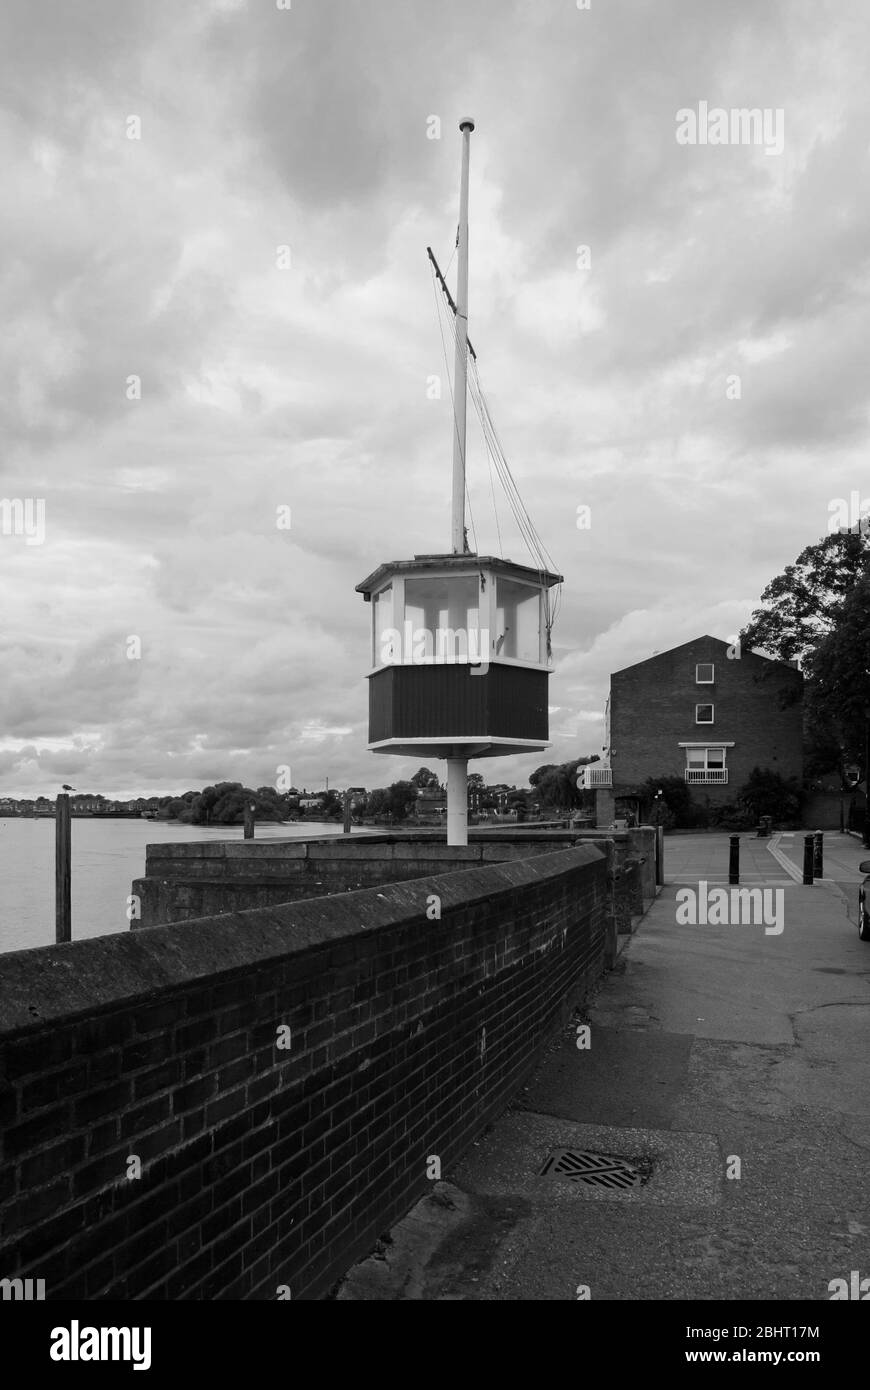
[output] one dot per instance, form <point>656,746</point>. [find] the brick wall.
<point>203,878</point>
<point>630,847</point>
<point>652,710</point>
<point>822,810</point>
<point>260,1166</point>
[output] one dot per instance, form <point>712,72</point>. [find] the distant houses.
<point>103,806</point>
<point>80,805</point>
<point>431,803</point>
<point>483,801</point>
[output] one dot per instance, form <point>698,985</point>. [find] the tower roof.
<point>422,564</point>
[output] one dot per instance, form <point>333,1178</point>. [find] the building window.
<point>703,714</point>
<point>704,673</point>
<point>706,765</point>
<point>705,758</point>
<point>384,646</point>
<point>518,621</point>
<point>442,620</point>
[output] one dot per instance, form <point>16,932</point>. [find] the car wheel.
<point>863,917</point>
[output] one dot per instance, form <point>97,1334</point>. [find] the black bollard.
<point>808,860</point>
<point>734,859</point>
<point>818,855</point>
<point>249,821</point>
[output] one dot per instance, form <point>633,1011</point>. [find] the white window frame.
<point>695,751</point>
<point>542,636</point>
<point>398,591</point>
<point>706,705</point>
<point>486,614</point>
<point>712,680</point>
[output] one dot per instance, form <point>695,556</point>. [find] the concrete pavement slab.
<point>613,1081</point>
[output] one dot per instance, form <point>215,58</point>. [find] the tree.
<point>672,808</point>
<point>768,794</point>
<point>838,680</point>
<point>556,784</point>
<point>224,804</point>
<point>804,604</point>
<point>423,777</point>
<point>376,802</point>
<point>585,799</point>
<point>394,800</point>
<point>332,808</point>
<point>819,611</point>
<point>540,772</point>
<point>400,797</point>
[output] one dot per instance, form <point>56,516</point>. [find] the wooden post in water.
<point>347,799</point>
<point>62,870</point>
<point>249,821</point>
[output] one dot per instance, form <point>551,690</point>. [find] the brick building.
<point>696,712</point>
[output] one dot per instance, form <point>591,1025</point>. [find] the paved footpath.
<point>714,1048</point>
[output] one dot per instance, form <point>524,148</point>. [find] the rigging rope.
<point>541,557</point>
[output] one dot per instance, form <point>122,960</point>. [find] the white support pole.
<point>457,801</point>
<point>460,370</point>
<point>457,768</point>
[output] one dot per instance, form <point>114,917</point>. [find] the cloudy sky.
<point>306,387</point>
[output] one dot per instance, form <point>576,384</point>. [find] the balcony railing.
<point>590,777</point>
<point>706,774</point>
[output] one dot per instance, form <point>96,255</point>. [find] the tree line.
<point>225,802</point>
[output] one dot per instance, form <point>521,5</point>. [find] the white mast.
<point>457,768</point>
<point>460,372</point>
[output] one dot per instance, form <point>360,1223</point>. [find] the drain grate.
<point>596,1170</point>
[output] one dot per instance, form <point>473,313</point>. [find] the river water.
<point>106,856</point>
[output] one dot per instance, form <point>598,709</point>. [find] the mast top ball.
<point>466,122</point>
